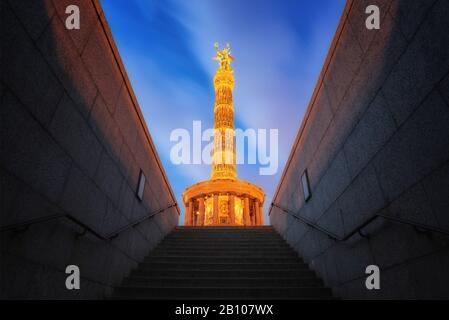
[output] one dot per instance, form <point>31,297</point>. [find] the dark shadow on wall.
<point>73,143</point>
<point>377,141</point>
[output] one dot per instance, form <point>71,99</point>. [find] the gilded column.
<point>223,150</point>
<point>223,179</point>
<point>216,209</point>
<point>257,207</point>
<point>253,216</point>
<point>246,211</point>
<point>188,216</point>
<point>232,209</point>
<point>201,211</point>
<point>261,214</point>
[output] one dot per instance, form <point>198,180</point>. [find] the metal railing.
<point>419,227</point>
<point>23,226</point>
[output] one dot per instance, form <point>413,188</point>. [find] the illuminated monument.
<point>223,200</point>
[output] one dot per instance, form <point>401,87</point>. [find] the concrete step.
<point>221,273</point>
<point>224,253</point>
<point>225,238</point>
<point>230,234</point>
<point>179,259</point>
<point>223,248</point>
<point>221,266</point>
<point>223,263</point>
<point>237,245</point>
<point>186,293</point>
<point>224,229</point>
<point>224,234</point>
<point>230,252</point>
<point>227,242</point>
<point>222,282</point>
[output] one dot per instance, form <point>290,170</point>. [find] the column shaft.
<point>216,217</point>
<point>232,209</point>
<point>201,211</point>
<point>188,216</point>
<point>247,220</point>
<point>253,216</point>
<point>257,207</point>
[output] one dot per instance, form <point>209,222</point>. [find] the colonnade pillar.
<point>246,216</point>
<point>200,220</point>
<point>215,216</point>
<point>232,209</point>
<point>253,216</point>
<point>188,218</point>
<point>257,206</point>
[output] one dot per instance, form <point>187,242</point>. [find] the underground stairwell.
<point>222,263</point>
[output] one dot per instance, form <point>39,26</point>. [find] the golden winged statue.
<point>224,56</point>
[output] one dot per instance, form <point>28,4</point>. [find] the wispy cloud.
<point>167,48</point>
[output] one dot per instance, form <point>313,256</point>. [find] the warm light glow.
<point>238,208</point>
<point>224,200</point>
<point>223,152</point>
<point>208,211</point>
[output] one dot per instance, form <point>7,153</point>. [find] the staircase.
<point>222,263</point>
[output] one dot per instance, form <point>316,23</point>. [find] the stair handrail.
<point>23,226</point>
<point>419,227</point>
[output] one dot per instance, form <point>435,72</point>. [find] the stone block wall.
<point>375,140</point>
<point>73,141</point>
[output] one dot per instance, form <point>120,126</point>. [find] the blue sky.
<point>167,48</point>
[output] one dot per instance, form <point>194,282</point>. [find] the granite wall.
<point>375,140</point>
<point>73,141</point>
